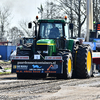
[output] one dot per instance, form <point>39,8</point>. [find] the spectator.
<point>11,51</point>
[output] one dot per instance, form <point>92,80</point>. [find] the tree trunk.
<point>79,20</point>
<point>71,19</point>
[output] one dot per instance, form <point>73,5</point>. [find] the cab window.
<point>51,30</point>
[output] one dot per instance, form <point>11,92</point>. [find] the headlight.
<point>45,51</point>
<point>0,56</point>
<point>39,51</point>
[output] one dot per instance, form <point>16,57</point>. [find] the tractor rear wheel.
<point>84,62</point>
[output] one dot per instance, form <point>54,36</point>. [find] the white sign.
<point>22,67</point>
<point>53,57</point>
<point>36,56</point>
<point>20,57</point>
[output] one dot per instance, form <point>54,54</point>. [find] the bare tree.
<point>5,15</point>
<point>52,10</point>
<point>40,10</point>
<point>15,35</point>
<point>24,26</point>
<point>76,9</point>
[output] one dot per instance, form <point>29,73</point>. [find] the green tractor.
<point>25,46</point>
<point>54,52</point>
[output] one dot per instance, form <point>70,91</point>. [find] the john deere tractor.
<point>24,49</point>
<point>54,52</point>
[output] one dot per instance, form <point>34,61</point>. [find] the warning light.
<point>65,17</point>
<point>36,17</point>
<point>98,27</point>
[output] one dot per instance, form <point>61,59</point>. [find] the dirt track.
<point>12,88</point>
<point>49,89</point>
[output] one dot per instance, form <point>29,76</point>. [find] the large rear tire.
<point>84,62</point>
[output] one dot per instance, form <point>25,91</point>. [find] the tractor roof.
<point>52,20</point>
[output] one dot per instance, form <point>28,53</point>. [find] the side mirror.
<point>71,26</point>
<point>30,25</point>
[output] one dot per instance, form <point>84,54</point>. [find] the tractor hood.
<point>47,47</point>
<point>46,42</point>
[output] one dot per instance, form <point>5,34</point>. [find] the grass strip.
<point>4,73</point>
<point>7,68</point>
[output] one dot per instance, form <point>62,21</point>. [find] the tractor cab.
<point>53,29</point>
<point>26,40</point>
<point>25,46</point>
<point>52,36</point>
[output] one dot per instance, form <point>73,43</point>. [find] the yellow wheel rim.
<point>69,66</point>
<point>89,61</point>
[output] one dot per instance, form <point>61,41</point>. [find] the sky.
<point>22,9</point>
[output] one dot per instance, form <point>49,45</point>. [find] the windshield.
<point>51,30</point>
<point>28,40</point>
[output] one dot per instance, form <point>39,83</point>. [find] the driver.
<point>54,32</point>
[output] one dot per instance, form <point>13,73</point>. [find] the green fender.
<point>70,44</point>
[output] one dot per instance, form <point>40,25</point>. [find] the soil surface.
<point>48,88</point>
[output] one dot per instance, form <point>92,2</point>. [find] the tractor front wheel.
<point>68,66</point>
